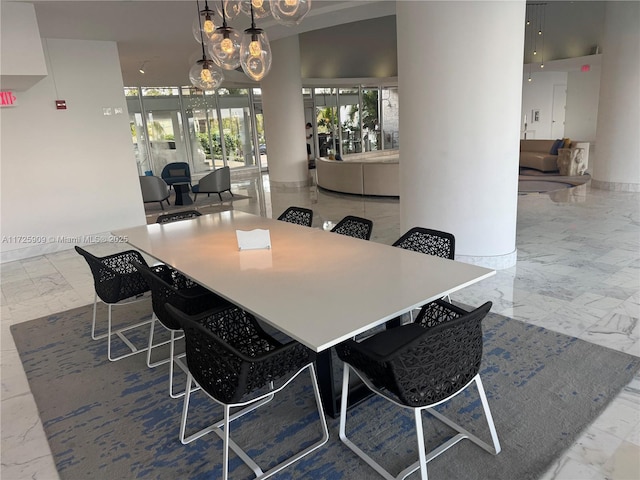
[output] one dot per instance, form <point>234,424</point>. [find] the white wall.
<point>68,172</point>
<point>581,110</point>
<point>22,61</point>
<point>581,118</point>
<point>538,95</point>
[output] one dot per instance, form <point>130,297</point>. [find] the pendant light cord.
<point>204,56</point>
<point>224,16</point>
<point>53,75</point>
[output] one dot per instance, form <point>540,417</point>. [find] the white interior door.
<point>558,111</point>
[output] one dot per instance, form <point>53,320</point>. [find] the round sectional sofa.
<point>368,173</point>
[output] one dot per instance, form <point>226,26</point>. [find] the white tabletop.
<point>318,287</point>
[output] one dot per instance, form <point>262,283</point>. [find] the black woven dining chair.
<point>431,242</point>
<point>356,227</point>
<point>177,216</point>
<point>168,286</point>
<point>418,366</point>
<point>116,282</point>
<point>428,241</point>
<point>297,215</point>
<point>238,364</point>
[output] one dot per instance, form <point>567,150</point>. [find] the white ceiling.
<point>159,33</point>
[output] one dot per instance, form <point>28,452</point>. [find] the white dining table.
<point>318,287</point>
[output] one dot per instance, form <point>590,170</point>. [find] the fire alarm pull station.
<point>61,104</point>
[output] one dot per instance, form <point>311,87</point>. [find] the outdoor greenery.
<point>369,117</point>
<point>369,109</point>
<point>231,144</point>
<point>327,120</point>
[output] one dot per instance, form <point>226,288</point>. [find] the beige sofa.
<point>370,173</point>
<point>535,154</point>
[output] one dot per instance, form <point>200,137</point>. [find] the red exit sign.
<point>7,99</point>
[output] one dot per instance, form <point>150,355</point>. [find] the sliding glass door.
<point>370,120</point>
<point>201,115</point>
<point>157,128</point>
<point>389,118</point>
<point>235,118</point>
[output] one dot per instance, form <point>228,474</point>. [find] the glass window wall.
<point>213,129</point>
<point>350,121</point>
<point>235,118</point>
<point>390,118</point>
<point>371,120</point>
<point>138,132</point>
<point>261,138</point>
<point>326,107</point>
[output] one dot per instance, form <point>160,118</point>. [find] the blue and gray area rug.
<point>116,420</point>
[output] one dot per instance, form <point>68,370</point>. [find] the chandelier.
<point>534,34</point>
<point>228,49</point>
<point>204,74</point>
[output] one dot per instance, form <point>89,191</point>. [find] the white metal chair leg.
<point>227,419</point>
<point>152,346</point>
<point>171,359</point>
<point>222,428</point>
<point>487,412</point>
<point>134,350</point>
<point>463,433</point>
<point>110,333</point>
<point>93,323</point>
<point>177,361</point>
<point>424,458</point>
<point>225,444</point>
<point>210,428</point>
<point>421,452</point>
<point>343,423</point>
<point>315,446</point>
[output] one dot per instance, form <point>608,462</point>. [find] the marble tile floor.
<point>578,272</point>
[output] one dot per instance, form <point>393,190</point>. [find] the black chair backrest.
<point>356,227</point>
<point>422,364</point>
<point>176,216</point>
<point>230,355</point>
<point>169,286</point>
<point>114,276</point>
<point>179,170</point>
<point>297,215</point>
<point>431,242</point>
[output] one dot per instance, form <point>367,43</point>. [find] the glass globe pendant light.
<point>255,52</point>
<point>231,9</point>
<point>290,12</point>
<point>204,74</point>
<point>257,8</point>
<point>224,45</point>
<point>203,26</point>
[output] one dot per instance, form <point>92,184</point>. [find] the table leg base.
<point>332,396</point>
